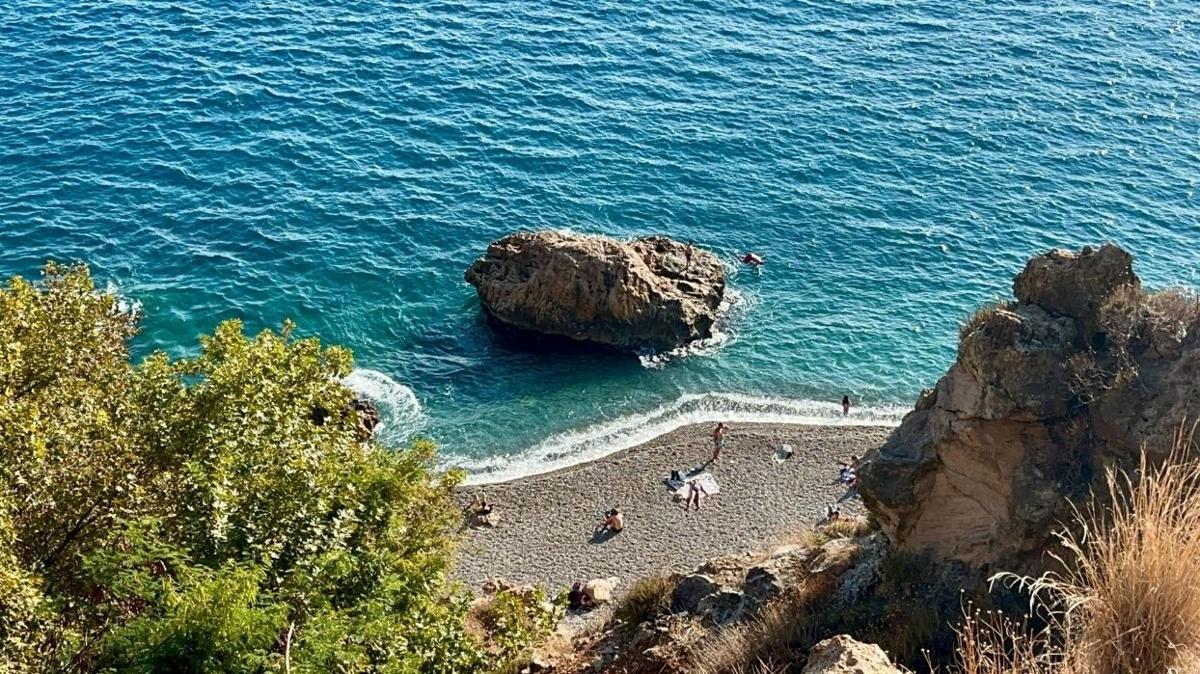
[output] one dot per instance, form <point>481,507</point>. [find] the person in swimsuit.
<point>614,521</point>
<point>845,405</point>
<point>718,440</point>
<point>695,492</point>
<point>752,260</point>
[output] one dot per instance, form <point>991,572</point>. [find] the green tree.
<point>217,513</point>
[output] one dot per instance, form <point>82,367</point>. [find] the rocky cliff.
<point>1077,374</point>
<point>651,293</point>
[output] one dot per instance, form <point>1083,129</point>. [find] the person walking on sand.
<point>845,405</point>
<point>718,440</point>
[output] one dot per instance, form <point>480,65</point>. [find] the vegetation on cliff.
<point>216,513</point>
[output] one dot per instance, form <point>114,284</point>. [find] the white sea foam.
<point>734,306</point>
<point>604,438</point>
<point>399,410</point>
<point>125,304</point>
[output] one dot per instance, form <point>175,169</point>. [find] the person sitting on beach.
<point>718,440</point>
<point>577,597</point>
<point>479,506</point>
<point>695,492</point>
<point>614,521</point>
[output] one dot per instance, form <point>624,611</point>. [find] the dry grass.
<point>762,646</point>
<point>815,537</point>
<point>648,598</point>
<point>1128,599</point>
<point>850,527</point>
<point>1174,312</point>
<point>981,316</point>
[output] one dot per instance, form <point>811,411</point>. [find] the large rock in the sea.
<point>1077,375</point>
<point>651,293</point>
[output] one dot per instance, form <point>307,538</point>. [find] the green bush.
<point>215,513</point>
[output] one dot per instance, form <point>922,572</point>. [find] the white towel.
<point>705,480</point>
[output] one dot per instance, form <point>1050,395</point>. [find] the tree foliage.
<point>216,513</point>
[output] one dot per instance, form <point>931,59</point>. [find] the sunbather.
<point>695,492</point>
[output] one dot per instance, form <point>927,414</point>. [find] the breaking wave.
<point>604,438</point>
<point>400,411</point>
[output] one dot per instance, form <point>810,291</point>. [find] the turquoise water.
<point>342,163</point>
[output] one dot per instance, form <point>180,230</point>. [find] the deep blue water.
<point>342,163</point>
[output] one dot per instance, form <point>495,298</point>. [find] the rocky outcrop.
<point>844,655</point>
<point>1075,375</point>
<point>692,590</point>
<point>651,293</point>
<point>367,418</point>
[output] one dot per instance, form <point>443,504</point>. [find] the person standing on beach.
<point>718,440</point>
<point>845,405</point>
<point>688,256</point>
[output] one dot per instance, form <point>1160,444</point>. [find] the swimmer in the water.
<point>752,260</point>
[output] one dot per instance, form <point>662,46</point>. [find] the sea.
<point>341,163</point>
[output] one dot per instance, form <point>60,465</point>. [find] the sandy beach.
<point>545,534</point>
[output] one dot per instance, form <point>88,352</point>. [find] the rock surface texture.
<point>1076,375</point>
<point>843,655</point>
<point>651,293</point>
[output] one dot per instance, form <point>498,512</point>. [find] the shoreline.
<point>601,440</point>
<point>544,535</point>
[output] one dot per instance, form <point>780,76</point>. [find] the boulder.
<point>367,418</point>
<point>651,293</point>
<point>690,591</point>
<point>1074,284</point>
<point>1077,374</point>
<point>762,583</point>
<point>843,655</point>
<point>600,591</point>
<point>724,606</point>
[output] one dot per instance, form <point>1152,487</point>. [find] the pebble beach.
<point>546,524</point>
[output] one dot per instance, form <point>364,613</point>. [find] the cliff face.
<point>1078,373</point>
<point>650,293</point>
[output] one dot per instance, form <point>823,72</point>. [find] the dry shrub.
<point>1174,312</point>
<point>850,527</point>
<point>981,316</point>
<point>648,598</point>
<point>993,643</point>
<point>1128,599</point>
<point>784,628</point>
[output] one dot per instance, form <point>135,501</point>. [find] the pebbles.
<point>546,536</point>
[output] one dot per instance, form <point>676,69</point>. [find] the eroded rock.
<point>844,655</point>
<point>1077,374</point>
<point>651,293</point>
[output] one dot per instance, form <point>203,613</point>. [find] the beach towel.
<point>705,480</point>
